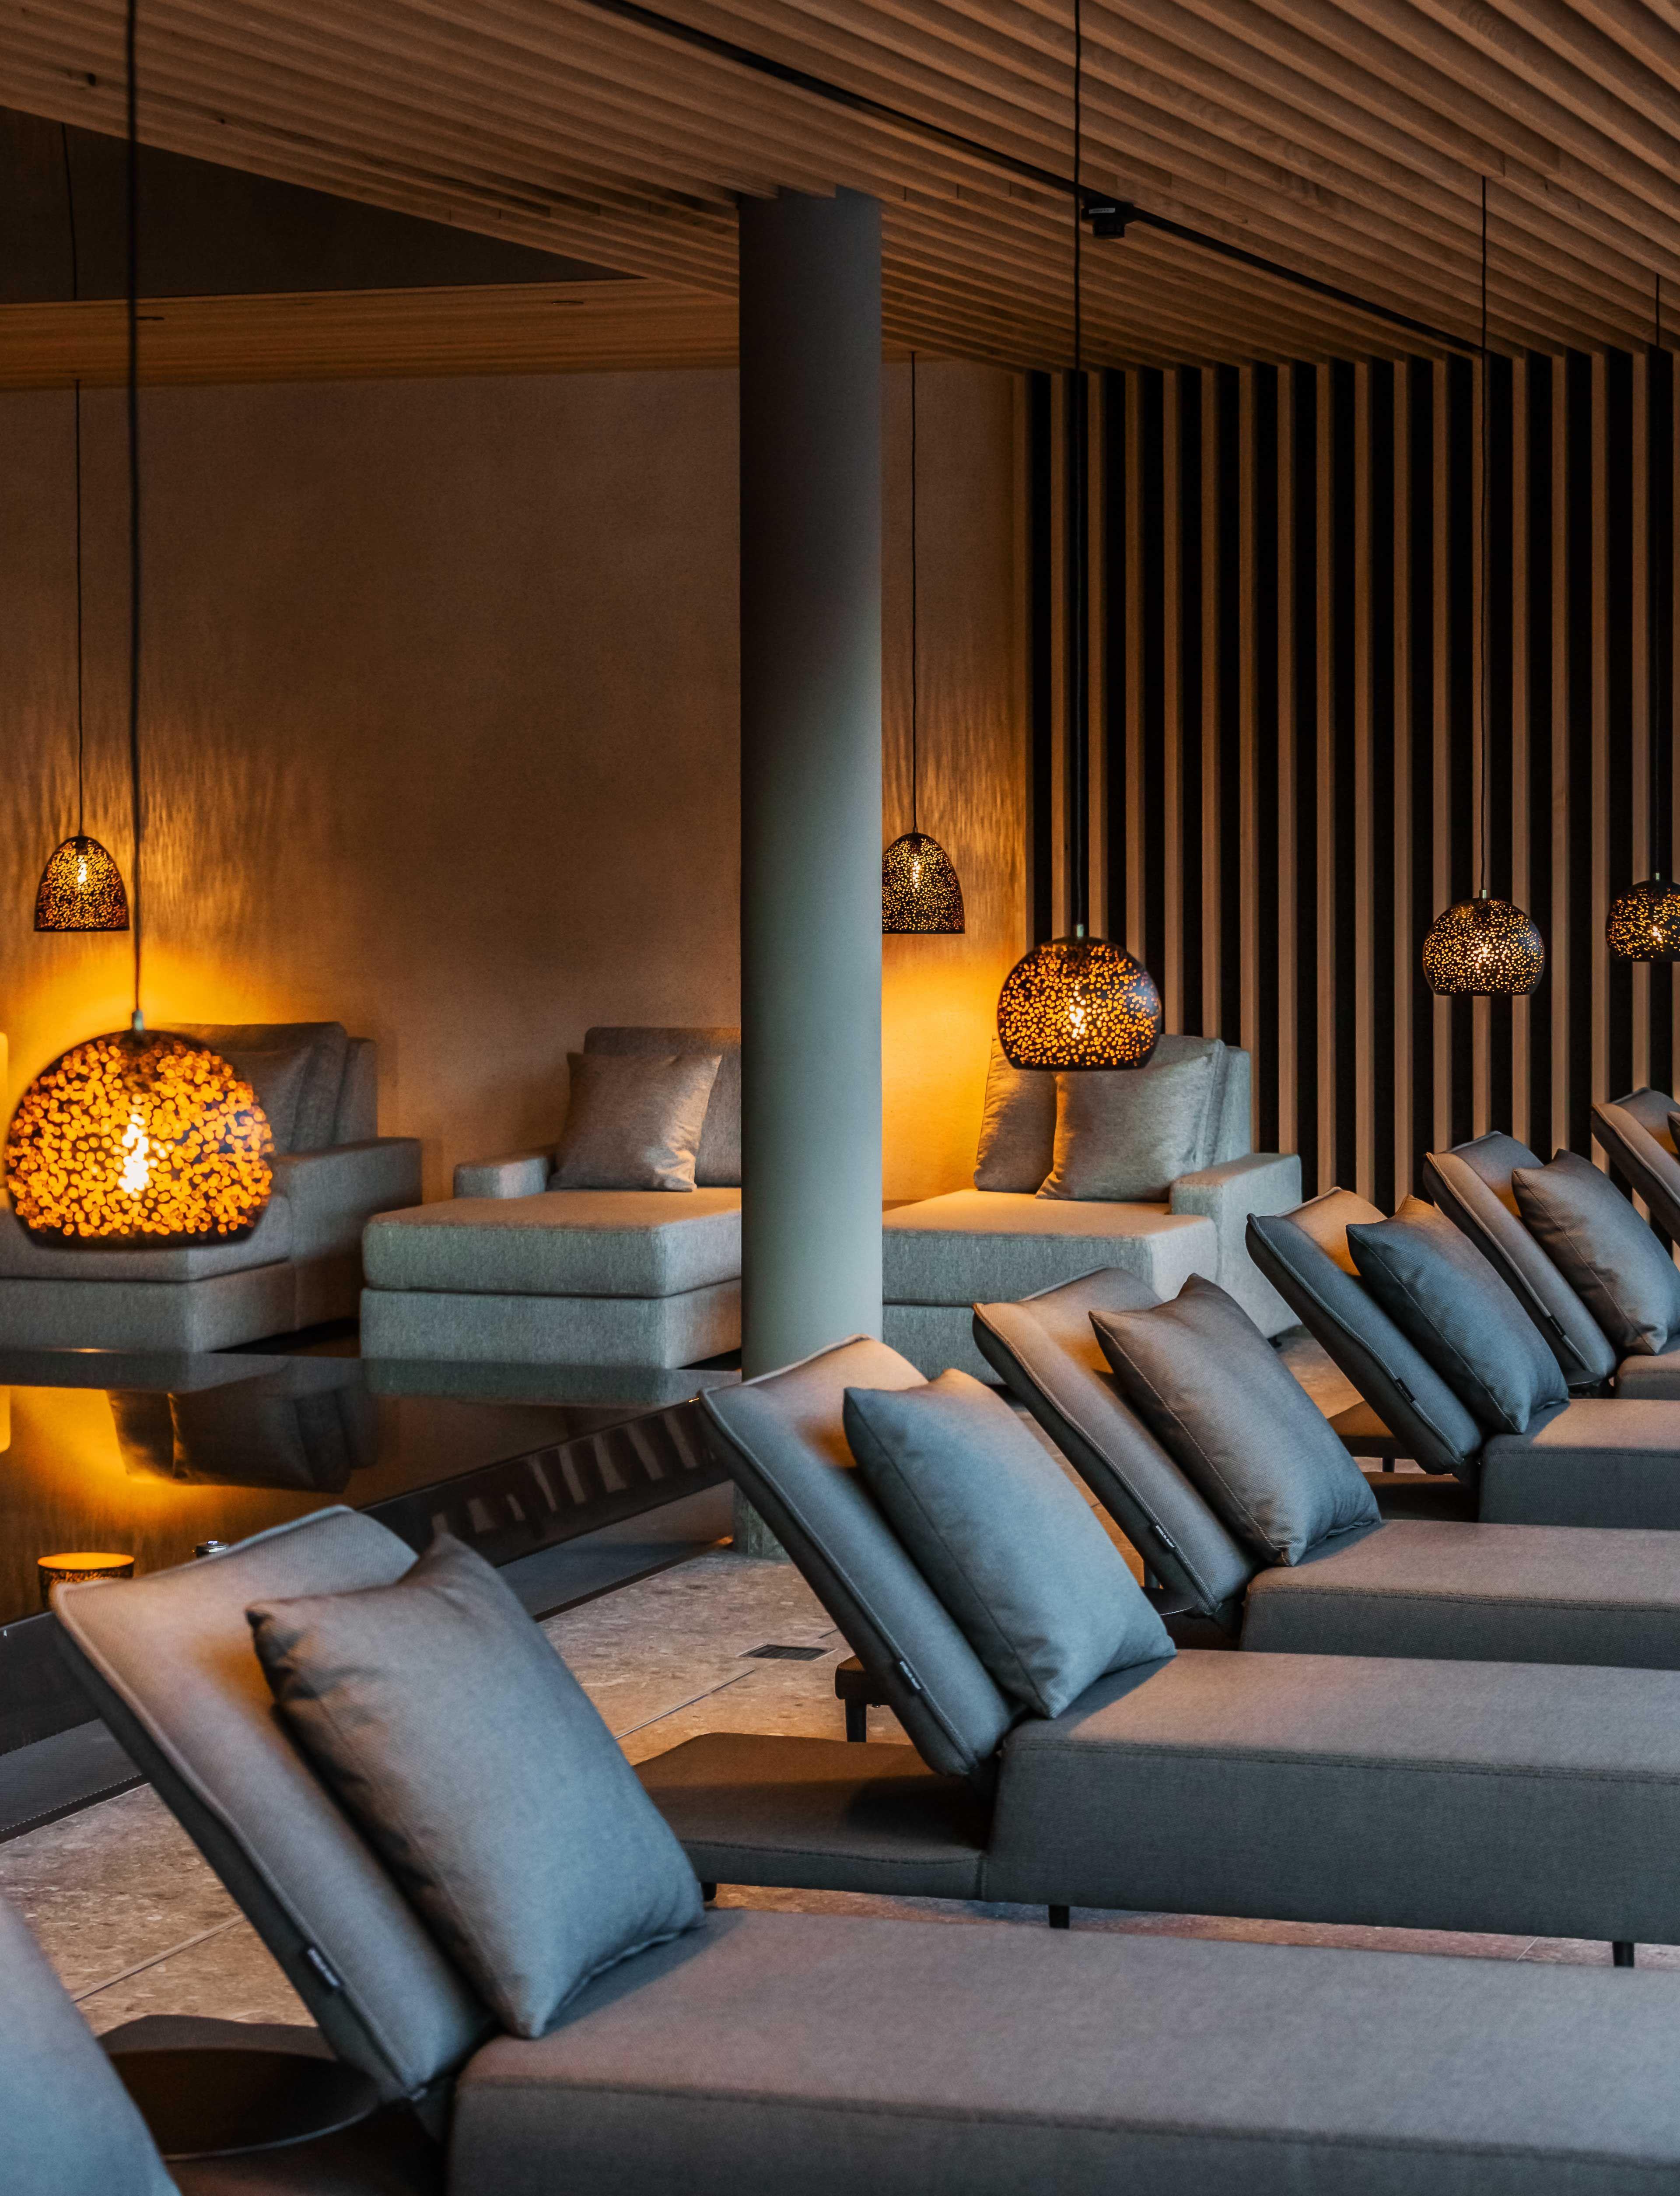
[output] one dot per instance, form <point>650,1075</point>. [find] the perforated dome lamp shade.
<point>1078,1003</point>
<point>1483,948</point>
<point>1644,923</point>
<point>921,892</point>
<point>81,888</point>
<point>143,1139</point>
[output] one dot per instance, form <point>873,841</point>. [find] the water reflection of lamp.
<point>71,1569</point>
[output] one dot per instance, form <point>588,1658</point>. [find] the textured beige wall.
<point>441,699</point>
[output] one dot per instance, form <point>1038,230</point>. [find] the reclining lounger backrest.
<point>1304,1255</point>
<point>781,1438</point>
<point>1634,1132</point>
<point>1044,1351</point>
<point>169,1663</point>
<point>1472,1185</point>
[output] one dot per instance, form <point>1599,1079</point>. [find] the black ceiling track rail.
<point>1108,216</point>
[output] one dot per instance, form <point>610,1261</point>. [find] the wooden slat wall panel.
<point>1291,781</point>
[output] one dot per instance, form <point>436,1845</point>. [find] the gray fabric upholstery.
<point>316,1121</point>
<point>573,1242</point>
<point>21,1259</point>
<point>1017,1126</point>
<point>167,1662</point>
<point>1599,1461</point>
<point>1650,1379</point>
<point>66,2125</point>
<point>1237,1422</point>
<point>518,1173</point>
<point>1472,1185</point>
<point>1047,1355</point>
<point>334,1193</point>
<point>972,1245</point>
<point>478,1766</point>
<point>831,2055</point>
<point>782,1437</point>
<point>1637,1133</point>
<point>819,1814</point>
<point>213,1313</point>
<point>1129,1134</point>
<point>1305,1256</point>
<point>718,1164</point>
<point>1478,1593</point>
<point>1507,1797</point>
<point>1041,1593</point>
<point>633,1121</point>
<point>1441,1293</point>
<point>1605,1251</point>
<point>461,1326</point>
<point>934,1337</point>
<point>277,1077</point>
<point>1257,1181</point>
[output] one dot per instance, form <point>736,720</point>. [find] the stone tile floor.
<point>136,1922</point>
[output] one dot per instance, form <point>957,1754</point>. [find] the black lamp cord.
<point>133,256</point>
<point>1078,700</point>
<point>915,653</point>
<point>75,295</point>
<point>1485,688</point>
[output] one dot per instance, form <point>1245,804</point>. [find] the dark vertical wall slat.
<point>1116,664</point>
<point>1041,687</point>
<point>1501,788</point>
<point>1380,521</point>
<point>1540,384</point>
<point>1462,618</point>
<point>1191,676</point>
<point>1580,945</point>
<point>1616,639</point>
<point>1659,579</point>
<point>1421,582</point>
<point>1261,488</point>
<point>1228,1015</point>
<point>1153,648</point>
<point>1303,554</point>
<point>1342,731</point>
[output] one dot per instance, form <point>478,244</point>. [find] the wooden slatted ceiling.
<point>1345,137</point>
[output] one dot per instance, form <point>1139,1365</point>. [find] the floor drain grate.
<point>784,1654</point>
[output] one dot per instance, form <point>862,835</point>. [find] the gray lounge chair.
<point>1611,1461</point>
<point>1436,1588</point>
<point>1634,1133</point>
<point>1302,1787</point>
<point>1472,1185</point>
<point>773,2050</point>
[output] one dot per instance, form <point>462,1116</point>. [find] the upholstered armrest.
<point>1261,1182</point>
<point>334,1193</point>
<point>520,1174</point>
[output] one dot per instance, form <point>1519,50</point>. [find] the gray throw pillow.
<point>1236,1421</point>
<point>1444,1295</point>
<point>277,1077</point>
<point>1018,1127</point>
<point>1012,1550</point>
<point>633,1122</point>
<point>451,1730</point>
<point>1128,1134</point>
<point>1604,1250</point>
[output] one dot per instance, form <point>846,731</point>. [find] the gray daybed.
<point>1435,1588</point>
<point>1486,1796</point>
<point>1593,1460</point>
<point>510,1269</point>
<point>774,2050</point>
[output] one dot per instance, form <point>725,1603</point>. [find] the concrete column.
<point>811,434</point>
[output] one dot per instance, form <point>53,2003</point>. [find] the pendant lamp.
<point>81,887</point>
<point>131,1138</point>
<point>1644,923</point>
<point>1078,1001</point>
<point>1484,947</point>
<point>920,889</point>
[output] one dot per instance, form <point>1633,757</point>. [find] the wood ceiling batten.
<point>1345,138</point>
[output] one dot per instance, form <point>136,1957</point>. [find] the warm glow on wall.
<point>152,1139</point>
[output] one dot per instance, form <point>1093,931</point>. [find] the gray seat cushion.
<point>1304,1254</point>
<point>478,1767</point>
<point>1238,1423</point>
<point>717,1163</point>
<point>1598,1461</point>
<point>68,2126</point>
<point>1129,1134</point>
<point>1473,1186</point>
<point>1605,1251</point>
<point>1478,1593</point>
<point>781,1438</point>
<point>830,2055</point>
<point>1443,1294</point>
<point>633,1121</point>
<point>1514,1798</point>
<point>326,1048</point>
<point>269,1244</point>
<point>166,1660</point>
<point>975,1246</point>
<point>1650,1379</point>
<point>1046,1352</point>
<point>561,1243</point>
<point>1016,1555</point>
